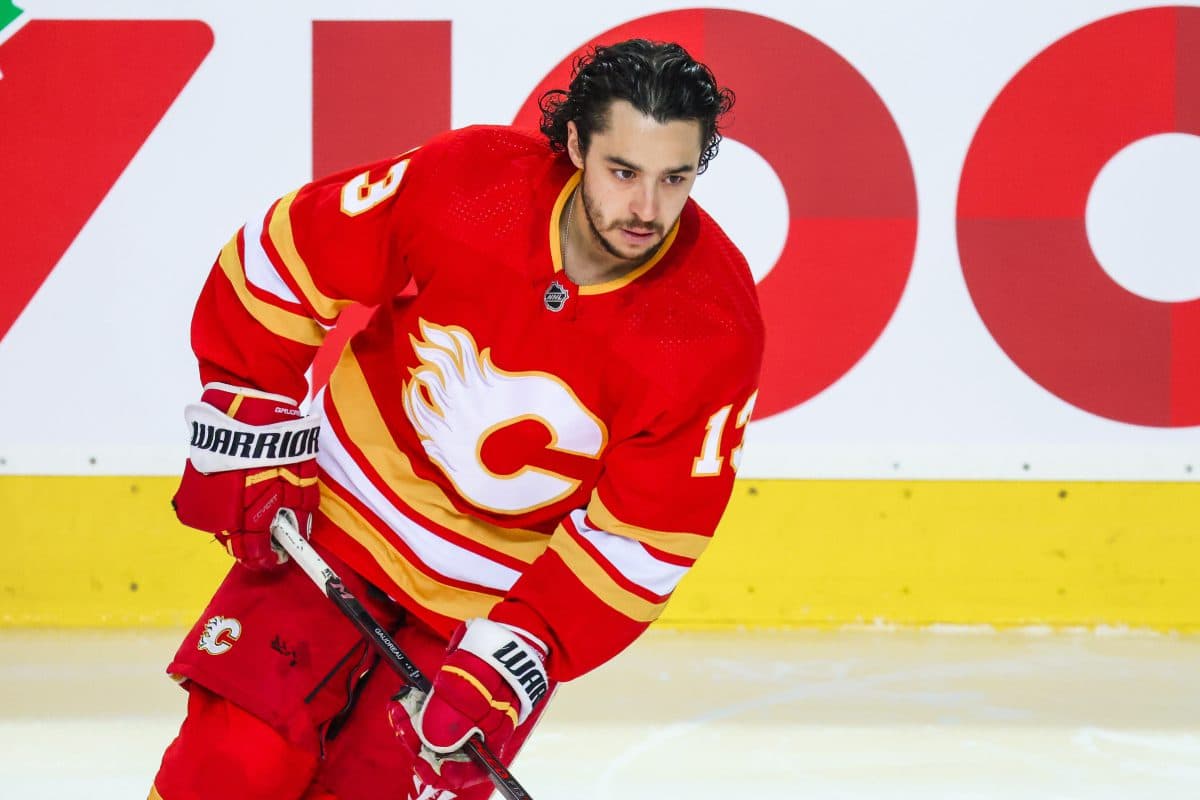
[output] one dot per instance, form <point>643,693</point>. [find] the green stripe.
<point>8,12</point>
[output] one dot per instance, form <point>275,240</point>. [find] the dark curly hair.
<point>659,79</point>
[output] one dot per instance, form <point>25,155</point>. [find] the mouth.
<point>636,236</point>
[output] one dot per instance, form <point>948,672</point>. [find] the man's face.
<point>637,174</point>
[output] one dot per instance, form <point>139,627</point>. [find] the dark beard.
<point>628,263</point>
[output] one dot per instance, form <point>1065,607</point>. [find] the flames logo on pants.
<point>422,791</point>
<point>219,634</point>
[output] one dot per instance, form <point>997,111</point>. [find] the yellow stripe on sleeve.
<point>677,543</point>
<point>449,601</point>
<point>278,321</point>
<point>366,428</point>
<point>280,231</point>
<point>600,583</point>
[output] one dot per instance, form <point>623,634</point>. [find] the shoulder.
<point>482,146</point>
<point>479,171</point>
<point>698,319</point>
<point>723,269</point>
<point>478,148</point>
<point>708,276</point>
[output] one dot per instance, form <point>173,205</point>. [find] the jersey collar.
<point>556,244</point>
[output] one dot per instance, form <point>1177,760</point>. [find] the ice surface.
<point>852,714</point>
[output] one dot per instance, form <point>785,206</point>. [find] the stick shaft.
<point>287,534</point>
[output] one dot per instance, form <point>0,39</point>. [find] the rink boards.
<point>106,551</point>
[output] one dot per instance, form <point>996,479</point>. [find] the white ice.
<point>800,714</point>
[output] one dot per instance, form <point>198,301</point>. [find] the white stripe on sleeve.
<point>259,270</point>
<point>630,558</point>
<point>446,558</point>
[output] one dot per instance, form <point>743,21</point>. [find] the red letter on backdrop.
<point>849,183</point>
<point>79,99</point>
<point>379,88</point>
<point>1022,234</point>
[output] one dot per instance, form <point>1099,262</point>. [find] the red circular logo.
<point>1022,234</point>
<point>849,184</point>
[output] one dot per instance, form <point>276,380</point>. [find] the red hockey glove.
<point>493,678</point>
<point>252,454</point>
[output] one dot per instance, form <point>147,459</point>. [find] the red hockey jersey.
<point>503,443</point>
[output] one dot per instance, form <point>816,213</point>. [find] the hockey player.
<point>525,455</point>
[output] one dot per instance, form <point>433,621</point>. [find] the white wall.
<point>96,370</point>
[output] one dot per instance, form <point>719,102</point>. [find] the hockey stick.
<point>287,534</point>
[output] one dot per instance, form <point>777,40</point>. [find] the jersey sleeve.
<point>285,277</point>
<point>611,567</point>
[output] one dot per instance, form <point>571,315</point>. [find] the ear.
<point>573,148</point>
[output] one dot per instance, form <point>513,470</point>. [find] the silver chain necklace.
<point>567,235</point>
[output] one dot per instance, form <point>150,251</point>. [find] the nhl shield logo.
<point>555,297</point>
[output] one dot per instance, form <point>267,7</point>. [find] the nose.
<point>645,202</point>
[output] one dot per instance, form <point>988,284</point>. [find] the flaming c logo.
<point>457,398</point>
<point>219,634</point>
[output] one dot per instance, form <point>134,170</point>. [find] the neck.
<point>584,258</point>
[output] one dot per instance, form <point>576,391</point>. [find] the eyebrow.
<point>630,165</point>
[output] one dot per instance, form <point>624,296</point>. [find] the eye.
<point>623,174</point>
<point>674,180</point>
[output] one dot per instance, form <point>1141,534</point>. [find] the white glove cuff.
<point>507,650</point>
<point>221,444</point>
